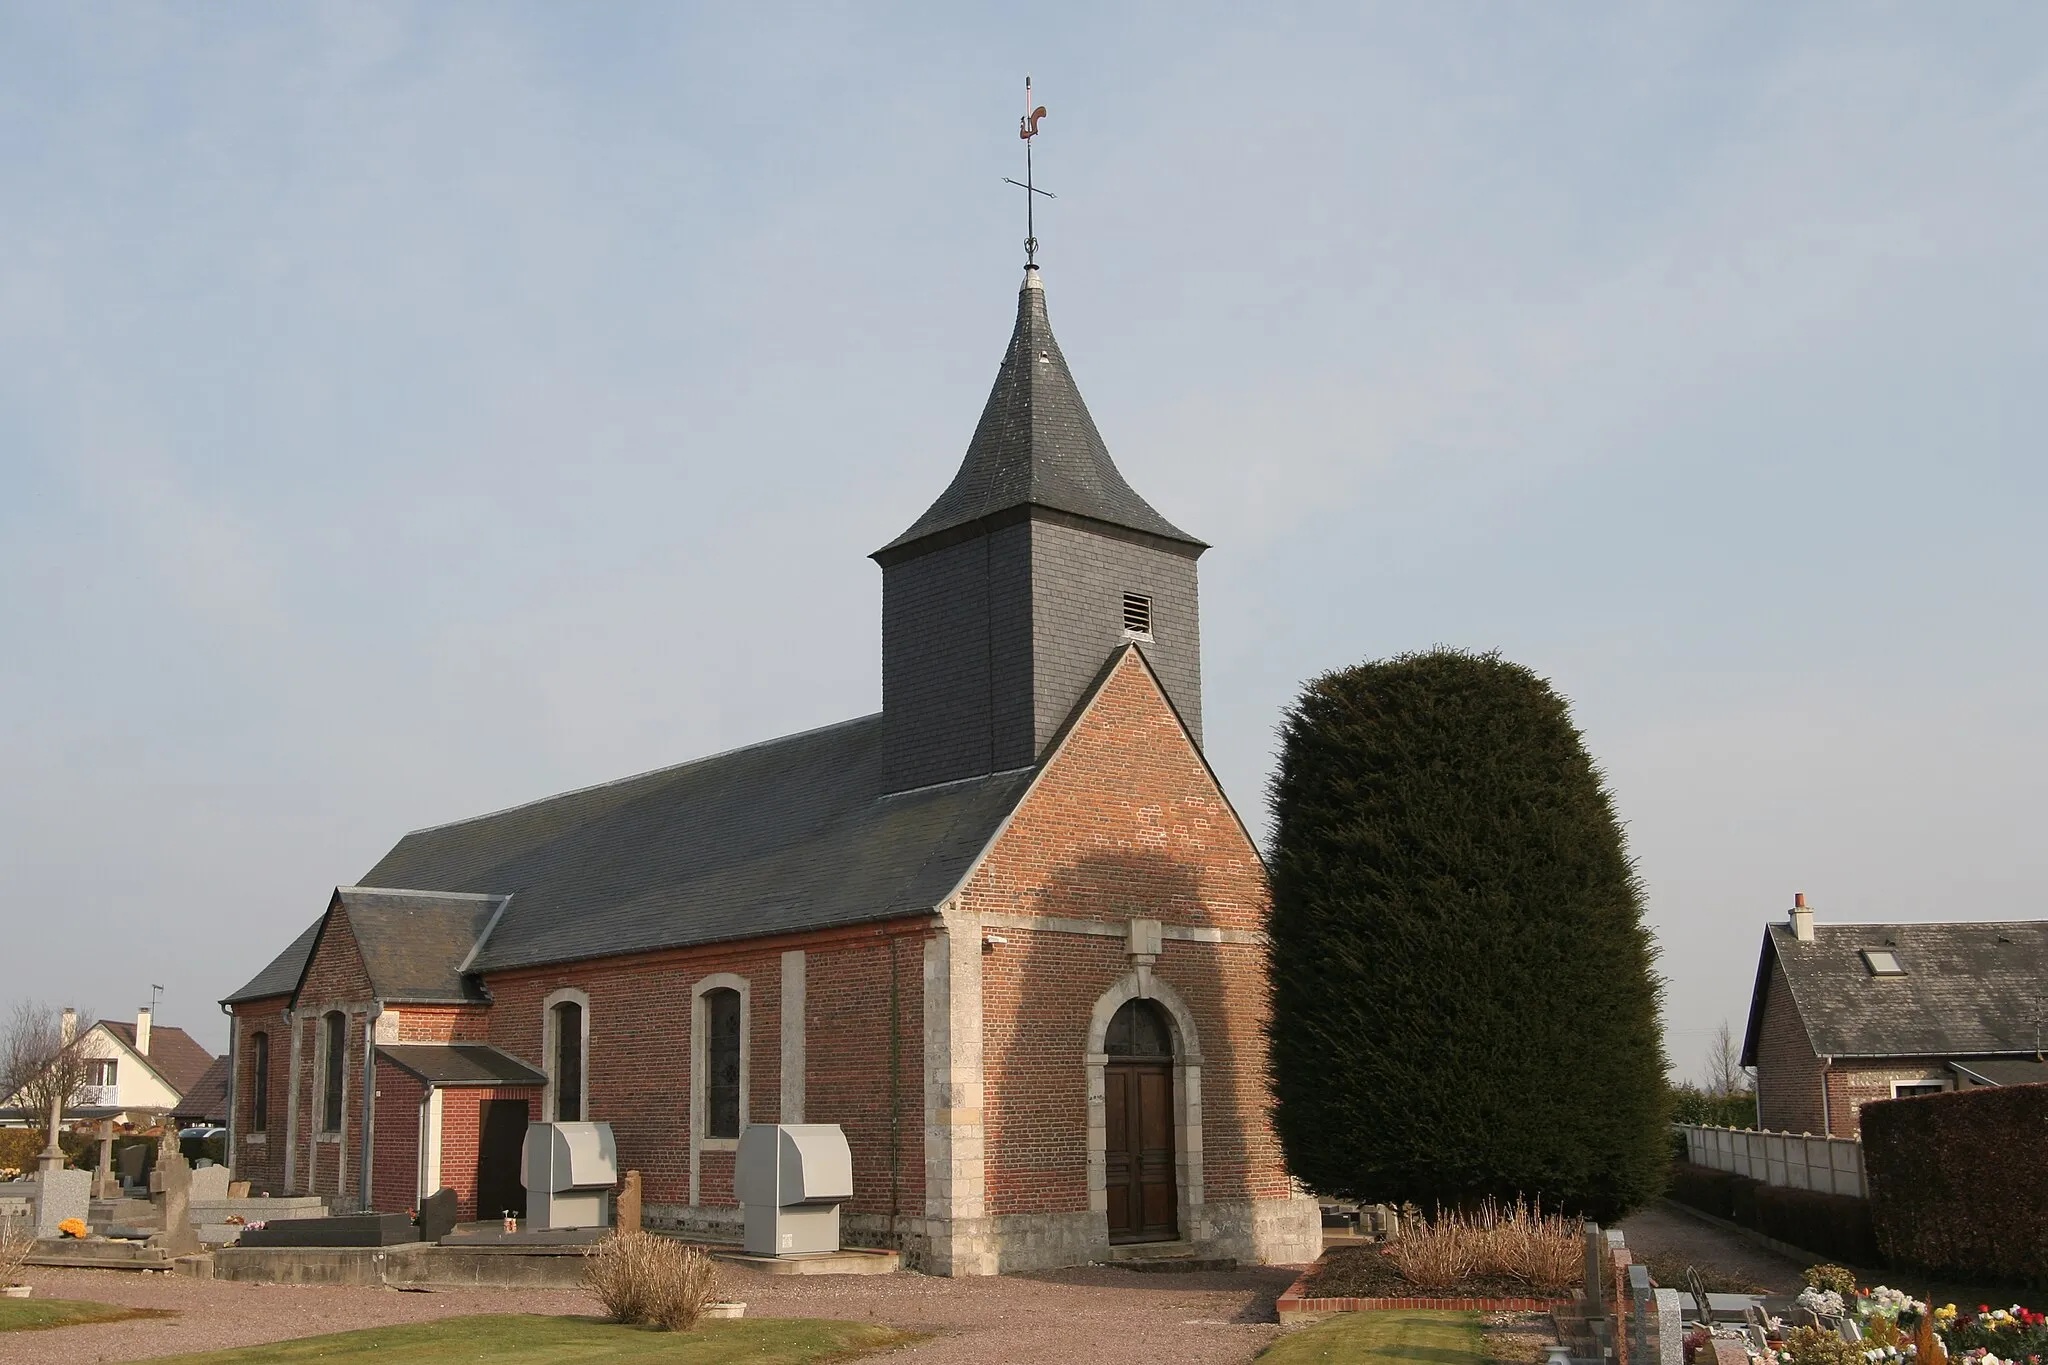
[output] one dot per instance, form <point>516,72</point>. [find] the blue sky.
<point>414,410</point>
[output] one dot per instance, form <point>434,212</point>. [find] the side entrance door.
<point>500,1139</point>
<point>1138,1147</point>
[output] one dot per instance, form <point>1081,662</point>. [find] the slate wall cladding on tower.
<point>1126,822</point>
<point>1080,572</point>
<point>956,659</point>
<point>1788,1074</point>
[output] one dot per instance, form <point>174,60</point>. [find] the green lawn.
<point>1417,1338</point>
<point>517,1337</point>
<point>27,1315</point>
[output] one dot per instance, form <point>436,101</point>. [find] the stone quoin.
<point>1007,932</point>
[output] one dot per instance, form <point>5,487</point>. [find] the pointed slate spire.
<point>1037,446</point>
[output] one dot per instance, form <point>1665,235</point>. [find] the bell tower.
<point>1002,603</point>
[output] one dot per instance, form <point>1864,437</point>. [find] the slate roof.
<point>1036,446</point>
<point>173,1053</point>
<point>1968,989</point>
<point>2003,1071</point>
<point>414,943</point>
<point>461,1064</point>
<point>779,837</point>
<point>208,1097</point>
<point>281,976</point>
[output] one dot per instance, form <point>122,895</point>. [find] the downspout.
<point>234,1032</point>
<point>1827,1120</point>
<point>370,1017</point>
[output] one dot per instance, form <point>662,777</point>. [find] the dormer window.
<point>1138,616</point>
<point>1882,962</point>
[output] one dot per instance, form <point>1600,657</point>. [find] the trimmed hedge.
<point>1959,1182</point>
<point>1836,1226</point>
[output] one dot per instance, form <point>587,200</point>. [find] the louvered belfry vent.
<point>1137,614</point>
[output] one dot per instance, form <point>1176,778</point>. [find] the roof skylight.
<point>1882,962</point>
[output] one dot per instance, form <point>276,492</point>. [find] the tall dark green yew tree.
<point>1463,995</point>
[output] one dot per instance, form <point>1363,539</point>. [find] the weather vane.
<point>1027,128</point>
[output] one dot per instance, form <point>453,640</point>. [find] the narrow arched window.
<point>568,1062</point>
<point>1139,1029</point>
<point>336,1026</point>
<point>722,1063</point>
<point>259,1082</point>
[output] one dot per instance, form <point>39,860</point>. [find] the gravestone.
<point>133,1162</point>
<point>210,1184</point>
<point>626,1212</point>
<point>438,1212</point>
<point>1596,1271</point>
<point>61,1194</point>
<point>173,1183</point>
<point>1670,1327</point>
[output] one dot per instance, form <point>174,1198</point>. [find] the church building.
<point>1008,932</point>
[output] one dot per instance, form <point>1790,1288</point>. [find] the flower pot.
<point>725,1310</point>
<point>22,1291</point>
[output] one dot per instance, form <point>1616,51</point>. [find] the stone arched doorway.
<point>1139,1118</point>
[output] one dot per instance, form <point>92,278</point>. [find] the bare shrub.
<point>1523,1243</point>
<point>640,1277</point>
<point>1434,1255</point>
<point>1519,1243</point>
<point>17,1244</point>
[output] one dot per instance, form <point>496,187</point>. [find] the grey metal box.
<point>790,1179</point>
<point>569,1170</point>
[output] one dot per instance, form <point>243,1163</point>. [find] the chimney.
<point>68,1030</point>
<point>142,1027</point>
<point>1802,918</point>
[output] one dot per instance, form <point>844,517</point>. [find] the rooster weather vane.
<point>1027,129</point>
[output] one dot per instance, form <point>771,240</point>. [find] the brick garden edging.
<point>1293,1307</point>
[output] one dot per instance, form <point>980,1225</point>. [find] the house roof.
<point>414,943</point>
<point>1966,989</point>
<point>172,1053</point>
<point>461,1064</point>
<point>281,976</point>
<point>208,1097</point>
<point>780,837</point>
<point>1037,446</point>
<point>2003,1070</point>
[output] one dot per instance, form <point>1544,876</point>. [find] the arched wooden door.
<point>1138,1126</point>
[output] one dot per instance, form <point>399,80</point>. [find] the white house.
<point>137,1071</point>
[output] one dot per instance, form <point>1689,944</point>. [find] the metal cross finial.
<point>1027,128</point>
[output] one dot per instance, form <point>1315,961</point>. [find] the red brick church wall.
<point>1125,823</point>
<point>395,1146</point>
<point>640,1053</point>
<point>335,978</point>
<point>261,1163</point>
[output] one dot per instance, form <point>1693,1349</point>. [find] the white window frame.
<point>567,995</point>
<point>1918,1087</point>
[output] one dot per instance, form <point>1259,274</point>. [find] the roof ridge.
<point>1819,925</point>
<point>634,777</point>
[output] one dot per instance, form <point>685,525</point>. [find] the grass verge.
<point>1410,1338</point>
<point>530,1339</point>
<point>33,1315</point>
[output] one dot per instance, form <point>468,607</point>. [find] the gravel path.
<point>1665,1229</point>
<point>1071,1317</point>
